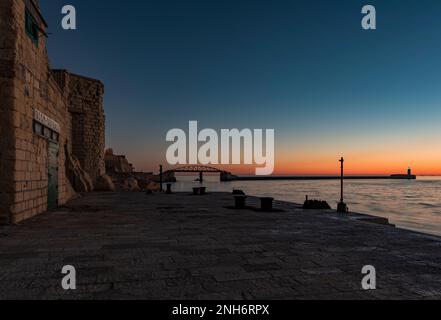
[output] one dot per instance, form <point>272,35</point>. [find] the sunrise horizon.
<point>326,92</point>
<point>224,158</point>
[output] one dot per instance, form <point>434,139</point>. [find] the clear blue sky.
<point>304,68</point>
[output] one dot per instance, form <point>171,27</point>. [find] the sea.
<point>409,204</point>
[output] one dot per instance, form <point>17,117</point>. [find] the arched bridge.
<point>199,169</point>
<point>196,169</point>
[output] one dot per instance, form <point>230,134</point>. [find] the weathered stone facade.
<point>37,118</point>
<point>116,163</point>
<point>84,98</point>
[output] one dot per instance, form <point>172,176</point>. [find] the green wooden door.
<point>52,191</point>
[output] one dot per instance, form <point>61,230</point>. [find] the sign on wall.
<point>46,121</point>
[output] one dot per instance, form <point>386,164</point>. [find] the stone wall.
<point>30,85</point>
<point>84,98</point>
<point>7,72</point>
<point>70,106</point>
<point>116,163</point>
<point>35,88</point>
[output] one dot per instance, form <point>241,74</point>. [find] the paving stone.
<point>123,247</point>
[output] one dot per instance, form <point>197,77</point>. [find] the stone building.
<point>51,121</point>
<point>117,163</point>
<point>84,97</point>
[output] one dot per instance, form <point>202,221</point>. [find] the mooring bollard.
<point>266,204</point>
<point>196,191</point>
<point>237,192</point>
<point>239,201</point>
<point>169,190</point>
<point>202,190</point>
<point>161,178</point>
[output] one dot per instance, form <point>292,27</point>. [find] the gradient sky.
<point>304,68</point>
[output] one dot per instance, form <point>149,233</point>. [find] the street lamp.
<point>342,207</point>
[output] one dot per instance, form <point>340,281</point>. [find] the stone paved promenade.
<point>137,246</point>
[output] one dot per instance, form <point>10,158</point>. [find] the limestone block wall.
<point>29,89</point>
<point>84,98</point>
<point>7,145</point>
<point>30,85</point>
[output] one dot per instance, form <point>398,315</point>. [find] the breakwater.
<point>362,177</point>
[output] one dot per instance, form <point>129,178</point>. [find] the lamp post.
<point>342,207</point>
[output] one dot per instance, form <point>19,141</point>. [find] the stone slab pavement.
<point>138,246</point>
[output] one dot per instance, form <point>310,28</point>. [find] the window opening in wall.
<point>31,27</point>
<point>46,132</point>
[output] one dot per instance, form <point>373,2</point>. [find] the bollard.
<point>342,208</point>
<point>161,178</point>
<point>202,190</point>
<point>169,190</point>
<point>266,204</point>
<point>239,201</point>
<point>196,191</point>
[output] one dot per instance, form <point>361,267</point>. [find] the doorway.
<point>52,190</point>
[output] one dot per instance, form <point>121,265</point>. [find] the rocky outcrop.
<point>131,184</point>
<point>153,187</point>
<point>116,163</point>
<point>79,179</point>
<point>104,183</point>
<point>125,179</point>
<point>125,182</point>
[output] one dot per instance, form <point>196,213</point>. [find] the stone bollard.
<point>239,201</point>
<point>196,191</point>
<point>342,207</point>
<point>202,190</point>
<point>169,190</point>
<point>266,204</point>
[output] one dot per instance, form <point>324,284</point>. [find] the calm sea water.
<point>410,204</point>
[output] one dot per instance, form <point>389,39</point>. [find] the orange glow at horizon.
<point>385,157</point>
<point>355,164</point>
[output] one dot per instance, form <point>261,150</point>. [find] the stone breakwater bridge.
<point>228,176</point>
